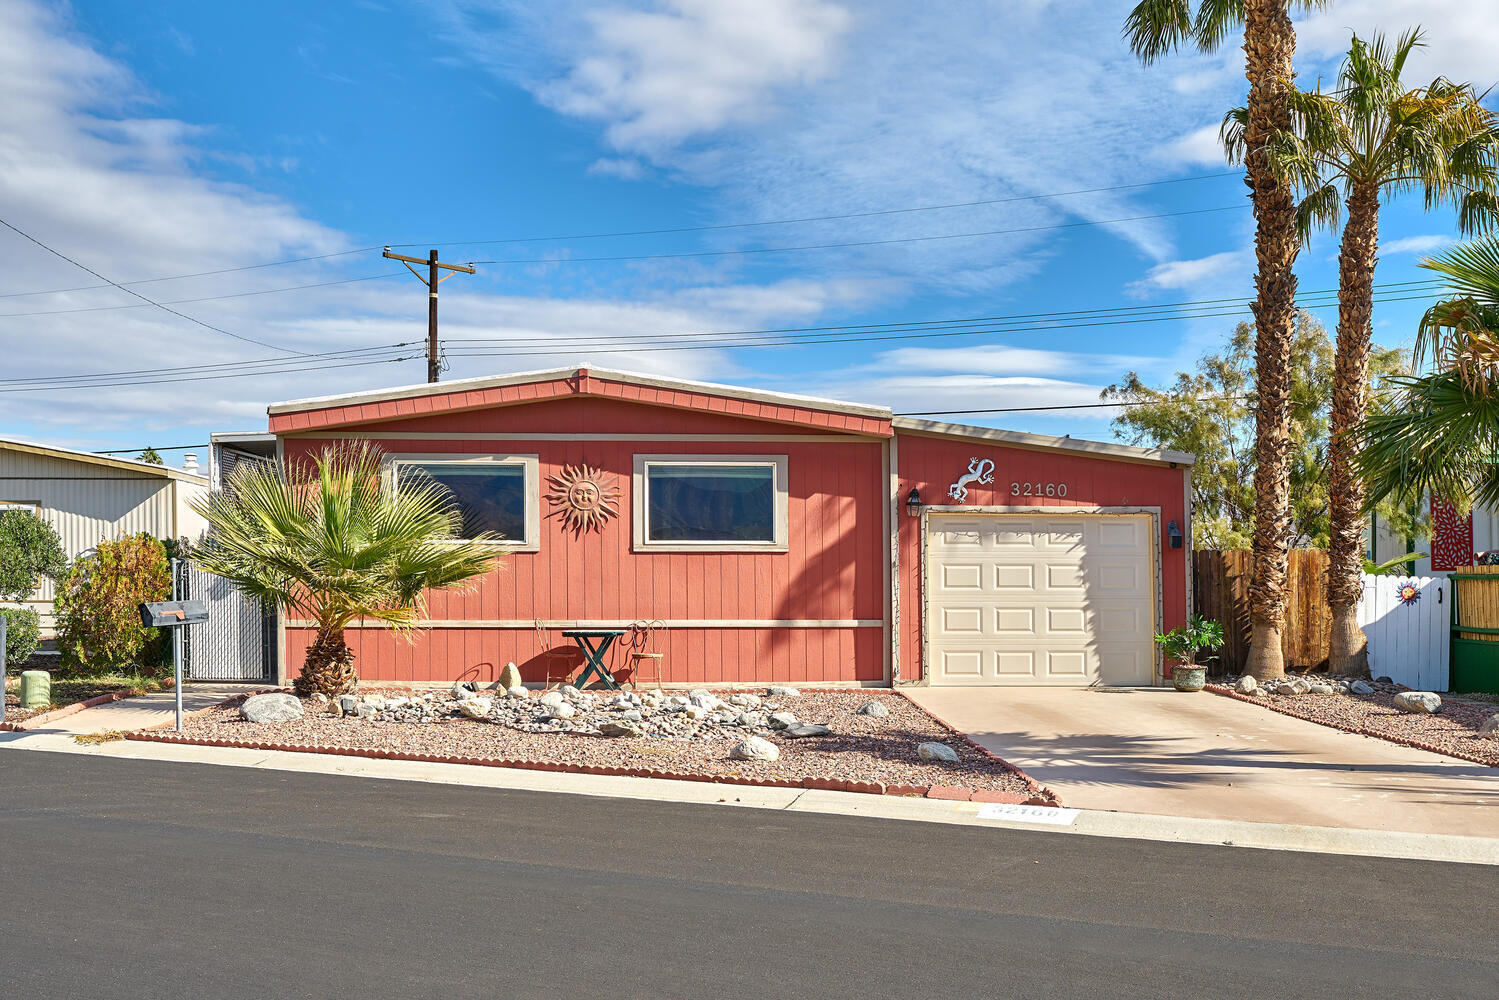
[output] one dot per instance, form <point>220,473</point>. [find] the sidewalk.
<point>144,711</point>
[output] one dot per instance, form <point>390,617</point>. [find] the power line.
<point>150,447</point>
<point>196,274</point>
<point>820,218</point>
<point>211,377</point>
<point>222,366</point>
<point>129,291</point>
<point>1069,406</point>
<point>201,298</point>
<point>862,243</point>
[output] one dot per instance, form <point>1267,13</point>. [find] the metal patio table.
<point>595,643</point>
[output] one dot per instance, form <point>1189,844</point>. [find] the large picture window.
<point>733,503</point>
<point>493,493</point>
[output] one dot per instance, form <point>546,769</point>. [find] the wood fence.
<point>1478,601</point>
<point>1221,591</point>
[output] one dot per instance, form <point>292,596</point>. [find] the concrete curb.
<point>1038,790</point>
<point>958,793</point>
<point>1224,692</point>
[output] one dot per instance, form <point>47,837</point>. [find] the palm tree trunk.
<point>328,667</point>
<point>1269,43</point>
<point>1349,649</point>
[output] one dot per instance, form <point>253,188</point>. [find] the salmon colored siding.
<point>932,464</point>
<point>832,570</point>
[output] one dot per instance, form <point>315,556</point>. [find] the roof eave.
<point>1098,449</point>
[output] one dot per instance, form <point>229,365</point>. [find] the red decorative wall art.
<point>1451,537</point>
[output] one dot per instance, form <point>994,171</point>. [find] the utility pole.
<point>431,281</point>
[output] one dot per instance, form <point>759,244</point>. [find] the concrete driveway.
<point>1150,750</point>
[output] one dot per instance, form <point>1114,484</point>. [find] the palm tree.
<point>334,547</point>
<point>1154,28</point>
<point>1371,138</point>
<point>1442,436</point>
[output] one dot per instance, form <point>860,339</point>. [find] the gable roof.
<point>527,387</point>
<point>106,461</point>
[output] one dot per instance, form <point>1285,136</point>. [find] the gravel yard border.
<point>1458,754</point>
<point>1038,794</point>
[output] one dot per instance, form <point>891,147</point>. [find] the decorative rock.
<point>1247,685</point>
<point>755,748</point>
<point>780,720</point>
<point>517,691</point>
<point>1418,702</point>
<point>563,711</point>
<point>1490,727</point>
<point>1319,688</point>
<point>753,720</point>
<point>874,708</point>
<point>568,691</point>
<point>615,728</point>
<point>348,704</point>
<point>475,708</point>
<point>1361,687</point>
<point>277,707</point>
<point>631,715</point>
<point>801,730</point>
<point>704,699</point>
<point>464,689</point>
<point>937,751</point>
<point>678,699</point>
<point>745,700</point>
<point>317,700</point>
<point>695,712</point>
<point>510,677</point>
<point>552,699</point>
<point>365,710</point>
<point>780,691</point>
<point>1383,680</point>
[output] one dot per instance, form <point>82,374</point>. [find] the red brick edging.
<point>1039,796</point>
<point>1222,691</point>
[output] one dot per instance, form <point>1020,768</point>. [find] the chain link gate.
<point>238,642</point>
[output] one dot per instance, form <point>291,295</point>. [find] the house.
<point>768,537</point>
<point>88,498</point>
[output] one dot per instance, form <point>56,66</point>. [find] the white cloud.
<point>936,393</point>
<point>1187,274</point>
<point>624,167</point>
<point>1004,361</point>
<point>1414,244</point>
<point>1461,36</point>
<point>1200,147</point>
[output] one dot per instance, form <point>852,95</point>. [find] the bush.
<point>23,629</point>
<point>29,550</point>
<point>98,604</point>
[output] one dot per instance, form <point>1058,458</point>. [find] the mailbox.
<point>169,614</point>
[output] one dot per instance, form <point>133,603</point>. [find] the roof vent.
<point>190,464</point>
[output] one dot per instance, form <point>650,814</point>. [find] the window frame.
<point>35,506</point>
<point>531,464</point>
<point>640,503</point>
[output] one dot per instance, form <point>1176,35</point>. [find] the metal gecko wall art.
<point>980,470</point>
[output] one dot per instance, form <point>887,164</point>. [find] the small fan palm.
<point>1442,435</point>
<point>334,547</point>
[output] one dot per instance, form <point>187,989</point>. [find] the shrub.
<point>29,550</point>
<point>23,628</point>
<point>98,603</point>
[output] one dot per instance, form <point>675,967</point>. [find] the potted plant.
<point>1181,645</point>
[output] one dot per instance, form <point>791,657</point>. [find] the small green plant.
<point>1182,643</point>
<point>22,631</point>
<point>98,604</point>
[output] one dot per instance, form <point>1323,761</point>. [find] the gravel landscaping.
<point>779,735</point>
<point>1454,729</point>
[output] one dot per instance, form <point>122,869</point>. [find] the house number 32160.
<point>1038,489</point>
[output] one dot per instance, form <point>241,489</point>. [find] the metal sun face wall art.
<point>583,498</point>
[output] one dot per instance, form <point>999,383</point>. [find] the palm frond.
<point>1158,27</point>
<point>1441,438</point>
<point>1322,209</point>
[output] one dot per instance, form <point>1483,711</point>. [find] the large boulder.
<point>874,707</point>
<point>510,677</point>
<point>563,711</point>
<point>780,720</point>
<point>1247,685</point>
<point>703,699</point>
<point>553,698</point>
<point>1490,727</point>
<point>620,729</point>
<point>937,752</point>
<point>275,707</point>
<point>755,748</point>
<point>475,708</point>
<point>1361,687</point>
<point>1418,702</point>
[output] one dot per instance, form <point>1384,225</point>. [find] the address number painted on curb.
<point>1048,815</point>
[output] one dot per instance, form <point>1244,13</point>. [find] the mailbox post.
<point>175,615</point>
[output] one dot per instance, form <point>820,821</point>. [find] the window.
<point>723,503</point>
<point>497,493</point>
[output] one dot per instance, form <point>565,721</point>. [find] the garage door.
<point>1035,599</point>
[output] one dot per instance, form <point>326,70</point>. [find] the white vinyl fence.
<point>1408,641</point>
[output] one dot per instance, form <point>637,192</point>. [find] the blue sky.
<point>176,138</point>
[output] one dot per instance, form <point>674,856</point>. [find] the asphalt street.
<point>128,879</point>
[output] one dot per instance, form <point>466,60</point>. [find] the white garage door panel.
<point>1020,599</point>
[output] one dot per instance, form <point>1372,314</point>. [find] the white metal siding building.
<point>89,498</point>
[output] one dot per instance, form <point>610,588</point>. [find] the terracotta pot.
<point>1188,677</point>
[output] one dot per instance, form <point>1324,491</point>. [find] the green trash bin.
<point>36,689</point>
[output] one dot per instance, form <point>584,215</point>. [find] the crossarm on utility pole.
<point>431,281</point>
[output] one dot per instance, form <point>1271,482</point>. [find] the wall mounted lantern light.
<point>913,502</point>
<point>1175,534</point>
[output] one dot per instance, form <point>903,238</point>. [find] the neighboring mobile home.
<point>769,537</point>
<point>88,498</point>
